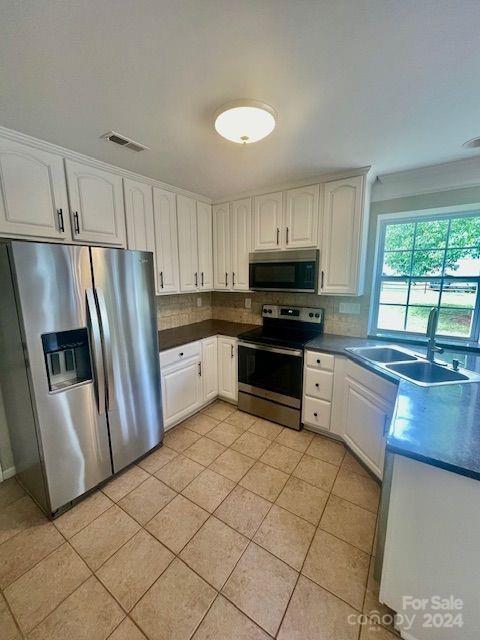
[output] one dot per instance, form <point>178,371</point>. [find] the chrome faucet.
<point>431,331</point>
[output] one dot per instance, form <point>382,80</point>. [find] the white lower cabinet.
<point>196,373</point>
<point>209,368</point>
<point>317,390</point>
<point>182,388</point>
<point>227,368</point>
<point>368,403</point>
<point>350,402</point>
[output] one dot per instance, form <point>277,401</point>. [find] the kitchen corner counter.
<point>171,338</point>
<point>437,425</point>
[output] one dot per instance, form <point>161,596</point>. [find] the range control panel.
<point>300,314</point>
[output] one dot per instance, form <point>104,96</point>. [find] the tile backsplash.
<point>181,309</point>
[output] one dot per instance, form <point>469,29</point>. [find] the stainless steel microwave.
<point>284,270</point>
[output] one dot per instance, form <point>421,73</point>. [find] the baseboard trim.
<point>8,473</point>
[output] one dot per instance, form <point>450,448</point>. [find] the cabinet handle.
<point>196,279</point>
<point>76,222</point>
<point>287,235</point>
<point>322,279</point>
<point>61,226</point>
<point>226,279</point>
<point>233,278</point>
<point>161,279</point>
<point>200,369</point>
<point>202,278</point>
<point>386,422</point>
<point>278,235</point>
<point>231,351</point>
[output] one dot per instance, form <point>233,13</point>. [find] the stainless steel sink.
<point>426,373</point>
<point>383,354</point>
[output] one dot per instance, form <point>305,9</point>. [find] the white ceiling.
<point>393,83</point>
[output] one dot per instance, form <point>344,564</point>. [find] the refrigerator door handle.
<point>107,346</point>
<point>97,350</point>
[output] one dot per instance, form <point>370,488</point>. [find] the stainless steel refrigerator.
<point>80,368</point>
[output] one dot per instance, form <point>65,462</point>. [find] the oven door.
<point>291,271</point>
<point>272,373</point>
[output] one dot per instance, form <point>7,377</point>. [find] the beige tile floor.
<point>236,529</point>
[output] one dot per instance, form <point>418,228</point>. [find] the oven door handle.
<point>289,352</point>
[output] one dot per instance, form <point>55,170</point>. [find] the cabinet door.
<point>187,243</point>
<point>227,368</point>
<point>33,193</point>
<point>139,215</point>
<point>96,204</point>
<point>367,418</point>
<point>342,236</point>
<point>205,246</point>
<point>166,245</point>
<point>209,368</point>
<point>241,243</point>
<point>301,218</point>
<point>268,221</point>
<point>181,390</point>
<point>221,247</point>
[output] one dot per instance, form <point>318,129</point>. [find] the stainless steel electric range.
<point>270,363</point>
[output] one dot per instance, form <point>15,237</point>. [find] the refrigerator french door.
<point>80,369</point>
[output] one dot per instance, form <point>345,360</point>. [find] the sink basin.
<point>428,374</point>
<point>383,354</point>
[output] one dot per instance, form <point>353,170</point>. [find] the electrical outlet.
<point>248,303</point>
<point>350,308</point>
<point>199,302</point>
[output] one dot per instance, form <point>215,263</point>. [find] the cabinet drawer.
<point>318,383</point>
<point>320,360</point>
<point>180,353</point>
<point>316,412</point>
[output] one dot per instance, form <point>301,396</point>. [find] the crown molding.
<point>446,176</point>
<point>304,182</point>
<point>23,138</point>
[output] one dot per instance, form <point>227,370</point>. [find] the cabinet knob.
<point>317,385</point>
<point>180,354</point>
<point>318,360</point>
<point>315,414</point>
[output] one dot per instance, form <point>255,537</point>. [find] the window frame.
<point>383,220</point>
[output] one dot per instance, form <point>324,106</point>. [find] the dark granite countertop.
<point>170,338</point>
<point>436,425</point>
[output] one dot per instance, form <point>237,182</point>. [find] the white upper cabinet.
<point>96,204</point>
<point>166,244</point>
<point>33,194</point>
<point>205,246</point>
<point>267,221</point>
<point>241,242</point>
<point>222,261</point>
<point>187,243</point>
<point>301,218</point>
<point>344,234</point>
<point>139,215</point>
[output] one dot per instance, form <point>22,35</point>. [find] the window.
<point>424,262</point>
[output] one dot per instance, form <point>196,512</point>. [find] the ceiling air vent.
<point>123,141</point>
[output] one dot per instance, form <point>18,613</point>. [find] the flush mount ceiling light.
<point>472,144</point>
<point>245,121</point>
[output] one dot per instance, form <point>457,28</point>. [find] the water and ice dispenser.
<point>67,358</point>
